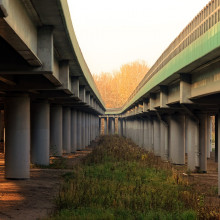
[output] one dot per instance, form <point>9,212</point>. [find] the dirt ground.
<point>34,198</point>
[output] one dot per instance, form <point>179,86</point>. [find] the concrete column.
<point>40,133</point>
<point>203,142</point>
<point>86,129</point>
<point>216,137</point>
<point>105,126</point>
<point>128,128</point>
<point>124,127</point>
<point>113,125</point>
<point>151,136</point>
<point>66,130</point>
<point>79,130</point>
<point>83,133</point>
<point>73,131</point>
<point>176,139</point>
<point>209,135</point>
<point>100,126</point>
<point>138,132</point>
<point>119,127</point>
<point>192,143</point>
<point>110,126</point>
<point>56,130</point>
<point>2,126</point>
<point>17,137</point>
<point>134,130</point>
<point>218,122</point>
<point>164,132</point>
<point>156,124</point>
<point>142,132</point>
<point>146,135</point>
<point>91,127</point>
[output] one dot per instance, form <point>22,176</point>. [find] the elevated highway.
<point>169,112</point>
<point>48,98</point>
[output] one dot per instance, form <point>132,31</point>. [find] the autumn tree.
<point>116,87</point>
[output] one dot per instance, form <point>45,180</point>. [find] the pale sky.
<point>111,33</point>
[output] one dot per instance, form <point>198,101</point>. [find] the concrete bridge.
<point>169,112</point>
<point>48,99</point>
<point>50,104</point>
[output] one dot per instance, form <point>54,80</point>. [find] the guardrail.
<point>203,21</point>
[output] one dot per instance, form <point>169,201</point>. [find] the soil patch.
<point>34,198</point>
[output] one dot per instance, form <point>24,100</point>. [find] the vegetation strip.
<point>119,180</point>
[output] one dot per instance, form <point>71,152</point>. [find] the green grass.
<point>119,180</point>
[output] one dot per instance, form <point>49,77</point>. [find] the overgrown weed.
<point>119,180</point>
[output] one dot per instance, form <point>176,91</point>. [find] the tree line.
<point>115,88</point>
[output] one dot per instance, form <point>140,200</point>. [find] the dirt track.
<point>34,198</point>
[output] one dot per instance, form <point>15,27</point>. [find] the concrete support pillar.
<point>83,133</point>
<point>209,135</point>
<point>156,124</point>
<point>110,126</point>
<point>218,122</point>
<point>134,130</point>
<point>79,130</point>
<point>164,136</point>
<point>17,137</point>
<point>113,125</point>
<point>40,133</point>
<point>93,127</point>
<point>151,135</point>
<point>203,142</point>
<point>89,128</point>
<point>146,135</point>
<point>66,130</point>
<point>119,126</point>
<point>142,132</point>
<point>100,125</point>
<point>105,126</point>
<point>192,143</point>
<point>2,126</point>
<point>97,126</point>
<point>216,137</point>
<point>73,131</point>
<point>176,139</point>
<point>56,132</point>
<point>86,129</point>
<point>124,127</point>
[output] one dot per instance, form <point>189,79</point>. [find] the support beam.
<point>45,48</point>
<point>185,88</point>
<point>64,75</point>
<point>75,86</point>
